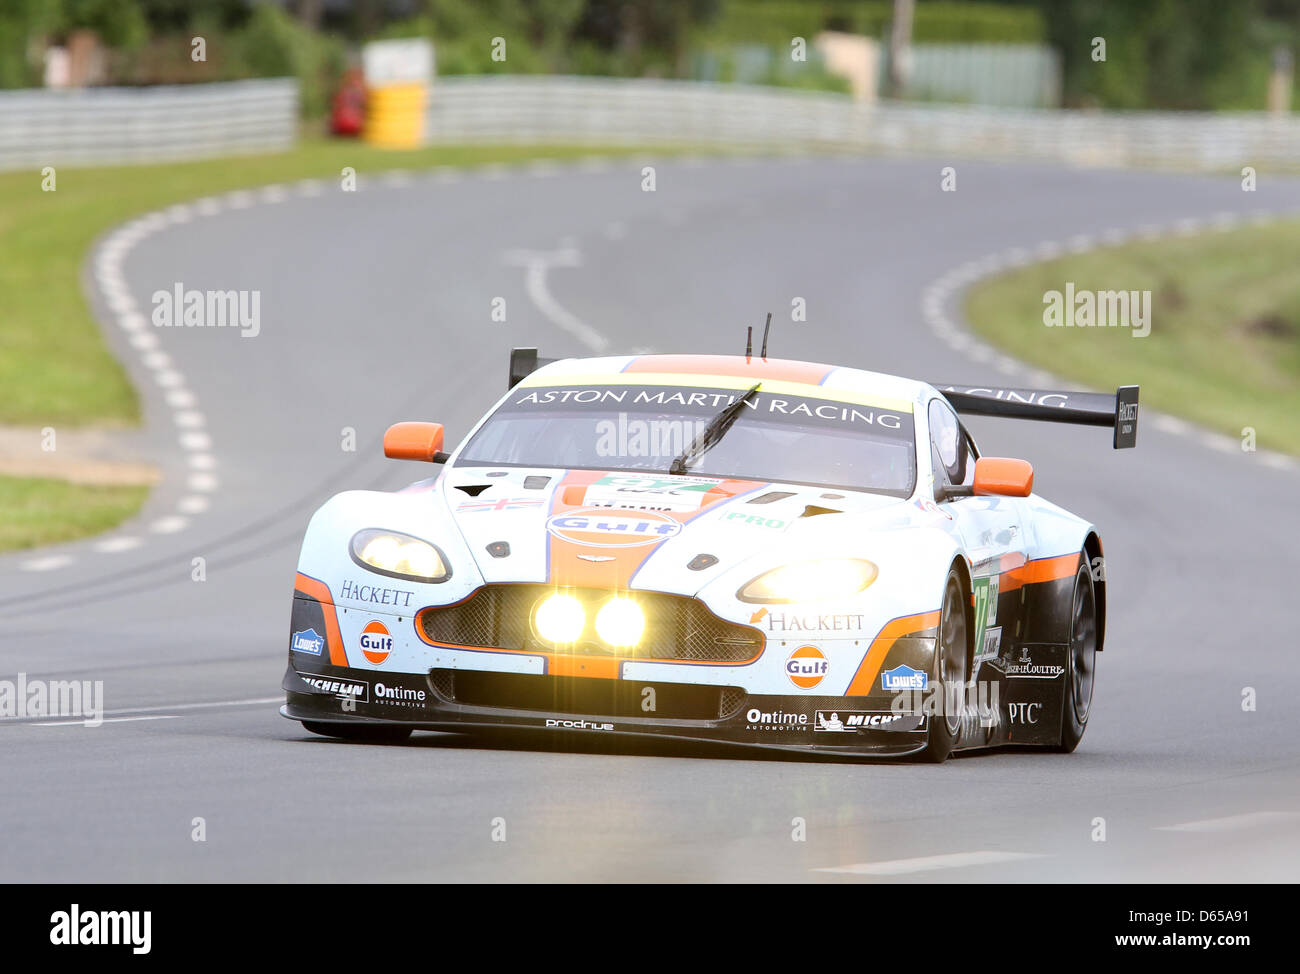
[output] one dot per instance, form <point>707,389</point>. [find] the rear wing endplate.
<point>1118,411</point>
<point>524,362</point>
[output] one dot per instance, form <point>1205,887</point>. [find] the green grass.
<point>39,510</point>
<point>55,369</point>
<point>1224,346</point>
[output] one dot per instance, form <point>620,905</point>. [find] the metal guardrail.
<point>114,125</point>
<point>94,126</point>
<point>644,111</point>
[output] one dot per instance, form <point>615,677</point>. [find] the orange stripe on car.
<point>1040,570</point>
<point>319,591</point>
<point>595,559</point>
<point>598,667</point>
<point>864,679</point>
<point>610,568</point>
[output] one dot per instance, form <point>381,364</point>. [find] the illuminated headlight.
<point>811,581</point>
<point>399,555</point>
<point>560,619</point>
<point>620,622</point>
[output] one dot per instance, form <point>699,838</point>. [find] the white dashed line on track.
<point>1232,823</point>
<point>124,542</point>
<point>169,525</point>
<point>536,264</point>
<point>921,864</point>
<point>202,481</point>
<point>46,564</point>
<point>106,720</point>
<point>160,710</point>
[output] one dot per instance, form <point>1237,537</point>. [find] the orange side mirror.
<point>413,441</point>
<point>1002,475</point>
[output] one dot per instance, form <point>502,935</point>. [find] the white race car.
<point>715,548</point>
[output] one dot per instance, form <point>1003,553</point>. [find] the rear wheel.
<point>1081,659</point>
<point>949,668</point>
<point>372,733</point>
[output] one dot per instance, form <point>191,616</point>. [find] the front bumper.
<point>456,700</point>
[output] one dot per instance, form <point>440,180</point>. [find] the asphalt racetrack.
<point>376,307</point>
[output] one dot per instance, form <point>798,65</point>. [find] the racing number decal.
<point>988,638</point>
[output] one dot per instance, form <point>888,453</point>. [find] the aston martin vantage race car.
<point>715,548</point>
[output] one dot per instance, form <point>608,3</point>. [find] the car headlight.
<point>560,619</point>
<point>399,556</point>
<point>811,581</point>
<point>620,622</point>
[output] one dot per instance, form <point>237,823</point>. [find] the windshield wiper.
<point>712,433</point>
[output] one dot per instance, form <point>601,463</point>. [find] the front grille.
<point>677,627</point>
<point>733,698</point>
<point>583,696</point>
<point>443,683</point>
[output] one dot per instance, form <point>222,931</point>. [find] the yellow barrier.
<point>395,115</point>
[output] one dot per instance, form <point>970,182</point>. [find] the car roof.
<point>739,371</point>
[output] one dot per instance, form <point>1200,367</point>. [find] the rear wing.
<point>1118,411</point>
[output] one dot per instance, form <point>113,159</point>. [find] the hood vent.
<point>473,489</point>
<point>535,482</point>
<point>771,497</point>
<point>812,511</point>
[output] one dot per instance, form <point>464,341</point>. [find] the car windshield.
<point>778,436</point>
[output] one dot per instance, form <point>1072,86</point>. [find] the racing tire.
<point>1081,659</point>
<point>949,667</point>
<point>369,733</point>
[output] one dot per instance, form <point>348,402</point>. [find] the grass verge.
<point>38,511</point>
<point>1224,345</point>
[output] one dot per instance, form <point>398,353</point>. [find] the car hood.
<point>653,532</point>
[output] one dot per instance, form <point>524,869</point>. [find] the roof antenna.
<point>766,329</point>
<point>749,341</point>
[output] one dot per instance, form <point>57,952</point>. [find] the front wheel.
<point>1081,659</point>
<point>949,668</point>
<point>370,733</point>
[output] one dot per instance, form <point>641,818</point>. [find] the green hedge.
<point>776,21</point>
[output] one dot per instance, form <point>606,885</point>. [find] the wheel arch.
<point>1097,565</point>
<point>963,572</point>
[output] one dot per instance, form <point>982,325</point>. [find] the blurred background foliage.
<point>1160,54</point>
